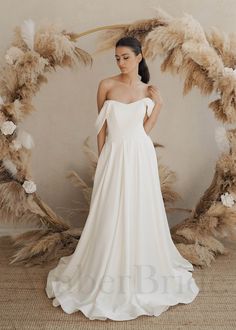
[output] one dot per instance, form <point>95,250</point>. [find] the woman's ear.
<point>139,57</point>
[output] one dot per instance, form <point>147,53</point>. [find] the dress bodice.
<point>124,119</point>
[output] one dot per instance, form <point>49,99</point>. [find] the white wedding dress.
<point>125,263</point>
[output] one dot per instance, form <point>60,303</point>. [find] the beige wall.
<point>67,104</point>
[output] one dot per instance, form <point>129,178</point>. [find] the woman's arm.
<point>156,97</point>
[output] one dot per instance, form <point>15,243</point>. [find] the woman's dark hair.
<point>136,47</point>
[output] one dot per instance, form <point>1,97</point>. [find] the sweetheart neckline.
<point>130,102</point>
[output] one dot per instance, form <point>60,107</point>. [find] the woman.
<point>125,264</point>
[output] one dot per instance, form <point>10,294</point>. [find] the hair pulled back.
<point>136,47</point>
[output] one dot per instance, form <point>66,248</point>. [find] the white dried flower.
<point>29,186</point>
<point>8,127</point>
<point>227,199</point>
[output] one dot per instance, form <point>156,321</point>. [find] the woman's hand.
<point>155,94</point>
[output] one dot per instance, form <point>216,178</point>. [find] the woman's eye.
<point>125,58</point>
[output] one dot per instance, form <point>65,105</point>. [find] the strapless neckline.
<point>143,98</point>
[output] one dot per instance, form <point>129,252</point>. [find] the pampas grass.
<point>205,61</point>
<point>39,246</point>
<point>167,180</point>
<point>32,54</point>
<point>224,44</point>
<point>210,221</point>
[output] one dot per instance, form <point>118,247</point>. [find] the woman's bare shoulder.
<point>109,80</point>
<point>107,83</point>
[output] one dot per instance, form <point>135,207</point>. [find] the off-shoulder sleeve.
<point>102,116</point>
<point>150,105</point>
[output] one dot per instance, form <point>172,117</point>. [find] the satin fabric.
<point>125,264</point>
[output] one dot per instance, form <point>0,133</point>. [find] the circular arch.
<point>204,62</point>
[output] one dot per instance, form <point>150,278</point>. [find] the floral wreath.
<point>206,61</point>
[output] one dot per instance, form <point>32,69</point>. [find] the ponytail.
<point>143,71</point>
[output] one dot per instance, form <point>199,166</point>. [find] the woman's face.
<point>126,59</point>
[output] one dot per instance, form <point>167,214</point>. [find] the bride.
<point>125,263</point>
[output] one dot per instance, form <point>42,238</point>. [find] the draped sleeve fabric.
<point>102,116</point>
<point>150,105</point>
